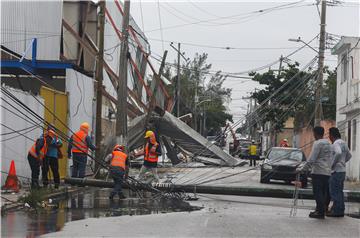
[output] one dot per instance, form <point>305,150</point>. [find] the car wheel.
<point>264,177</point>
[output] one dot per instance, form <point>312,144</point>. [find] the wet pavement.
<point>94,203</point>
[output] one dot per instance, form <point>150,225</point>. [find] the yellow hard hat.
<point>149,134</point>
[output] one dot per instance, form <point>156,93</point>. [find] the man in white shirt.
<point>341,155</point>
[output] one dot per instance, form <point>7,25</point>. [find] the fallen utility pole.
<point>99,78</point>
<point>318,107</point>
<point>210,189</point>
<point>121,107</point>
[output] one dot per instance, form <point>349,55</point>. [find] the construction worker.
<point>51,158</point>
<point>35,157</point>
<point>119,167</point>
<point>79,145</point>
<point>152,151</point>
<point>284,143</point>
<point>253,153</point>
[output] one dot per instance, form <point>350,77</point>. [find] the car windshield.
<point>285,154</point>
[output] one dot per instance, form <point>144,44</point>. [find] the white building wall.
<point>23,20</point>
<point>14,146</point>
<point>348,99</point>
<point>80,89</point>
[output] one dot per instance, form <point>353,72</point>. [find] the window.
<point>354,135</point>
<point>349,135</point>
<point>344,67</point>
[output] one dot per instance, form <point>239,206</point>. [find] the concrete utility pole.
<point>121,107</point>
<point>178,84</point>
<point>318,107</point>
<point>99,78</point>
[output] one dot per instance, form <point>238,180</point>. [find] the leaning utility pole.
<point>121,107</point>
<point>178,84</point>
<point>99,78</point>
<point>318,107</point>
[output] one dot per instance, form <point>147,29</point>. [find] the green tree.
<point>296,98</point>
<point>194,75</point>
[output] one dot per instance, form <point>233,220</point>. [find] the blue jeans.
<point>117,174</point>
<point>79,165</point>
<point>336,192</point>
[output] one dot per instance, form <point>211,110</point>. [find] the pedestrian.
<point>284,143</point>
<point>52,155</point>
<point>152,150</point>
<point>341,155</point>
<point>320,163</point>
<point>79,145</point>
<point>253,153</point>
<point>35,157</point>
<point>119,167</point>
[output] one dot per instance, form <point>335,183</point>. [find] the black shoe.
<point>111,197</point>
<point>316,215</point>
<point>122,196</point>
<point>331,214</point>
<point>56,186</point>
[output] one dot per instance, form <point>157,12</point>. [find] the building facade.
<point>348,99</point>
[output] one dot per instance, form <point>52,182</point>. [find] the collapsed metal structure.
<point>177,135</point>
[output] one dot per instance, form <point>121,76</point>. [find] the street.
<point>221,216</point>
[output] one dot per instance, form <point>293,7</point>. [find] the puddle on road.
<point>83,205</point>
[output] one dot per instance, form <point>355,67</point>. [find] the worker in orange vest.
<point>35,157</point>
<point>79,145</point>
<point>119,167</point>
<point>51,158</point>
<point>152,151</point>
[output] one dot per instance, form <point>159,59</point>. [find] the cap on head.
<point>85,126</point>
<point>286,140</point>
<point>119,147</point>
<point>149,134</point>
<point>252,141</point>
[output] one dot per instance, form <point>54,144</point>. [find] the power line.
<point>161,28</point>
<point>236,16</point>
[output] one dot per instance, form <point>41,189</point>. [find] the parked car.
<point>280,164</point>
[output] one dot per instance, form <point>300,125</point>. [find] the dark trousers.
<point>79,165</point>
<point>117,174</point>
<point>336,184</point>
<point>320,190</point>
<point>52,163</point>
<point>253,160</point>
<point>35,171</point>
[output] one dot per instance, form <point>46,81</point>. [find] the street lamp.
<point>300,40</point>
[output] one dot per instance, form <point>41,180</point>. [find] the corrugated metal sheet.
<point>17,148</point>
<point>23,20</point>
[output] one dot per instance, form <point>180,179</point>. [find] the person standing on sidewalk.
<point>119,167</point>
<point>51,158</point>
<point>320,162</point>
<point>336,182</point>
<point>79,145</point>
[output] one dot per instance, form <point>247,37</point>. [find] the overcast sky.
<point>259,38</point>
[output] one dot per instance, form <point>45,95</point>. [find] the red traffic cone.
<point>12,182</point>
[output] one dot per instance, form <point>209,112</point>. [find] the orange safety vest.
<point>42,151</point>
<point>79,143</point>
<point>118,159</point>
<point>151,155</point>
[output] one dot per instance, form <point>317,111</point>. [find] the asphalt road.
<point>221,216</point>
